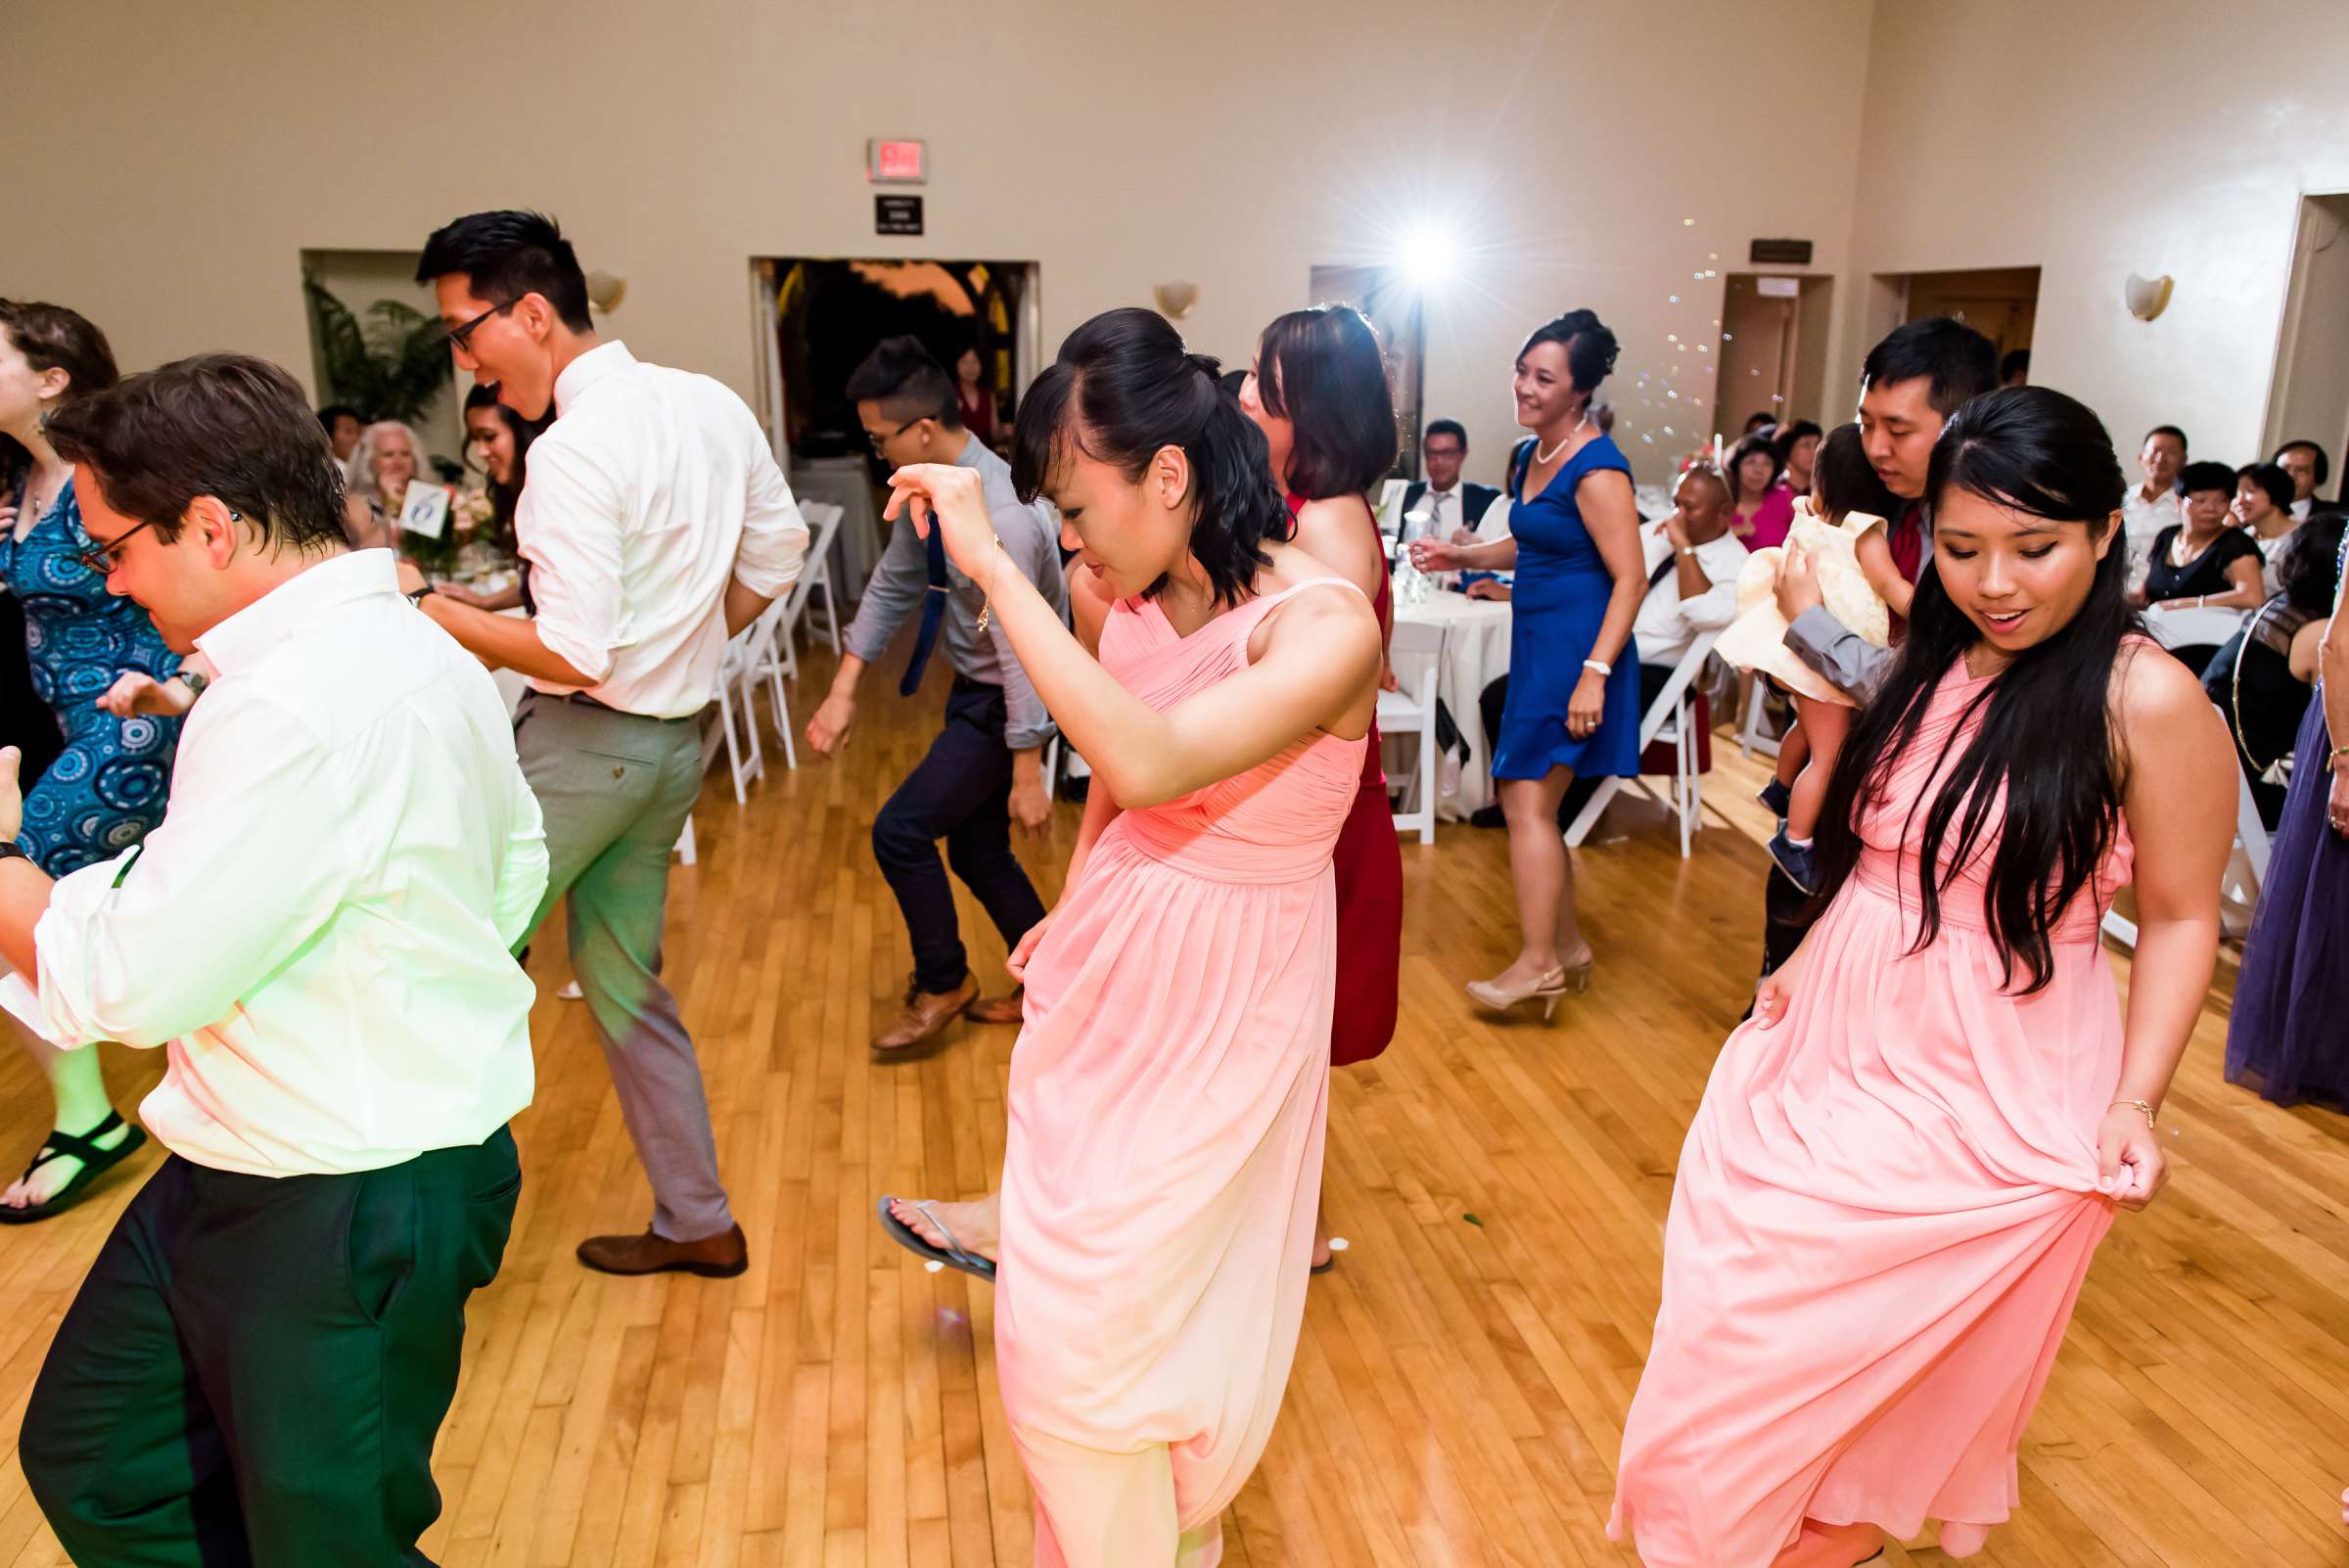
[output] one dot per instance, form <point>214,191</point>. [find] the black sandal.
<point>95,1163</point>
<point>952,1256</point>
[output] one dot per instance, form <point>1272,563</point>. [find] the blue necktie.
<point>934,611</point>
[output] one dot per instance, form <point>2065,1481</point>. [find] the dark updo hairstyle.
<point>1589,346</point>
<point>1847,481</point>
<point>51,336</point>
<point>2044,744</point>
<point>1757,445</point>
<point>1321,370</point>
<point>1122,390</point>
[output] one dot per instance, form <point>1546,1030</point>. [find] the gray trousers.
<point>614,788</point>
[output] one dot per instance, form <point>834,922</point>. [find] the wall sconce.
<point>605,292</point>
<point>2148,298</point>
<point>1174,299</point>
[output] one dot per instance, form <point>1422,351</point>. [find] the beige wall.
<point>179,165</point>
<point>2096,138</point>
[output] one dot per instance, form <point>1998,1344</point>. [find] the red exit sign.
<point>897,163</point>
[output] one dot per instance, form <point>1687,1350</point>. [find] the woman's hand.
<point>1017,963</point>
<point>1489,589</point>
<point>136,692</point>
<point>1774,996</point>
<point>1587,706</point>
<point>2336,808</point>
<point>950,499</point>
<point>1433,555</point>
<point>2130,1158</point>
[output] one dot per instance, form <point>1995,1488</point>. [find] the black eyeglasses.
<point>108,556</point>
<point>875,440</point>
<point>461,337</point>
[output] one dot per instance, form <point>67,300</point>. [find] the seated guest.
<point>497,441</point>
<point>389,459</point>
<point>1450,506</point>
<point>2263,509</point>
<point>1798,451</point>
<point>1759,425</point>
<point>2263,675</point>
<point>1692,563</point>
<point>2015,369</point>
<point>344,427</point>
<point>2199,561</point>
<point>2310,467</point>
<point>1762,507</point>
<point>2149,507</point>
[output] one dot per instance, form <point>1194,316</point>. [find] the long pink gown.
<point>1164,1155</point>
<point>1882,1216</point>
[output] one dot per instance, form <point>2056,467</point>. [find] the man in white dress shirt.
<point>318,935</point>
<point>2152,506</point>
<point>2310,467</point>
<point>653,526</point>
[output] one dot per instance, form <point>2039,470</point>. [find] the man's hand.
<point>833,720</point>
<point>11,795</point>
<point>1465,536</point>
<point>1488,588</point>
<point>1029,808</point>
<point>1798,584</point>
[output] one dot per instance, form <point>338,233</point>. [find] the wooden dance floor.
<point>1464,1371</point>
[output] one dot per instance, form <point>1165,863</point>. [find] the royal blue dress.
<point>108,785</point>
<point>1560,600</point>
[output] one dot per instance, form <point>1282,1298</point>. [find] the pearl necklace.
<point>1541,456</point>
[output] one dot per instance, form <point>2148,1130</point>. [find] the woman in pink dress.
<point>1763,505</point>
<point>1903,1165</point>
<point>1169,1087</point>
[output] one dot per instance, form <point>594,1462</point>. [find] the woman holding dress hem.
<point>1902,1166</point>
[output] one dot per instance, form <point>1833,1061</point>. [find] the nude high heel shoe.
<point>1547,990</point>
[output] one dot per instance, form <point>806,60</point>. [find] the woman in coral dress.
<point>1902,1166</point>
<point>1169,1088</point>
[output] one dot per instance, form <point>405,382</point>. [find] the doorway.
<point>1773,348</point>
<point>2000,303</point>
<point>814,320</point>
<point>2309,397</point>
<point>1395,307</point>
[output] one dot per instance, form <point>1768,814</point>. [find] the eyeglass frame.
<point>874,442</point>
<point>103,559</point>
<point>460,338</point>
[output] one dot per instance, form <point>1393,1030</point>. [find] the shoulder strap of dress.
<point>1271,599</point>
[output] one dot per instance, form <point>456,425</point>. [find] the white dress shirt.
<point>318,930</point>
<point>653,488</point>
<point>2302,507</point>
<point>2141,522</point>
<point>1669,626</point>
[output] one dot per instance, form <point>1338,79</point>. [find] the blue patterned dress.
<point>107,787</point>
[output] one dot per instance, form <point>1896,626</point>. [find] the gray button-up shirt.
<point>1029,535</point>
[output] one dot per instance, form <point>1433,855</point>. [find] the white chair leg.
<point>685,846</point>
<point>736,767</point>
<point>774,692</point>
<point>1427,771</point>
<point>1052,769</point>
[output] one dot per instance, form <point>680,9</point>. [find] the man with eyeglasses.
<point>986,769</point>
<point>655,526</point>
<point>318,936</point>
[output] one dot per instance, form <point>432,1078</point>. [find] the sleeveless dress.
<point>2285,1041</point>
<point>1882,1216</point>
<point>1166,1105</point>
<point>107,786</point>
<point>1558,604</point>
<point>1368,862</point>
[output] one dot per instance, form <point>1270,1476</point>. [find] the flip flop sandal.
<point>95,1163</point>
<point>952,1255</point>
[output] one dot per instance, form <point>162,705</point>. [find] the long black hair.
<point>506,499</point>
<point>1321,370</point>
<point>1122,389</point>
<point>2045,738</point>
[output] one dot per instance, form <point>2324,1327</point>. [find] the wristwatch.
<point>195,680</point>
<point>419,595</point>
<point>11,850</point>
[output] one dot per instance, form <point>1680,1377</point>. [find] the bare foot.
<point>975,1224</point>
<point>1321,1252</point>
<point>50,1180</point>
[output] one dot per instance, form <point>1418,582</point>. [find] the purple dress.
<point>2285,1039</point>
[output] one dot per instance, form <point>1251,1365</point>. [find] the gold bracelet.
<point>988,594</point>
<point>2138,1105</point>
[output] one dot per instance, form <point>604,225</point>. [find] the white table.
<point>1476,654</point>
<point>2198,628</point>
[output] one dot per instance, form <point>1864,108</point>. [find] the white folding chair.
<point>1670,718</point>
<point>2250,839</point>
<point>685,846</point>
<point>1750,738</point>
<point>764,660</point>
<point>1052,767</point>
<point>1389,510</point>
<point>744,759</point>
<point>1417,655</point>
<point>815,571</point>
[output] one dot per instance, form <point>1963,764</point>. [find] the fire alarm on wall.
<point>889,163</point>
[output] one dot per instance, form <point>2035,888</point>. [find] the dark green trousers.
<point>256,1367</point>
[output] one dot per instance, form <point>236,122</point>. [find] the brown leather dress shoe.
<point>999,1009</point>
<point>720,1256</point>
<point>926,1013</point>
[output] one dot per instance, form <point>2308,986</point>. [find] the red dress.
<point>1368,865</point>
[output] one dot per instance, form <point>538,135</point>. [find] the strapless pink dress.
<point>1166,1108</point>
<point>1882,1216</point>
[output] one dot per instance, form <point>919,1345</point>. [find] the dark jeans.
<point>256,1367</point>
<point>1495,697</point>
<point>959,792</point>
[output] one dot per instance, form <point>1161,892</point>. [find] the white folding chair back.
<point>764,663</point>
<point>1750,738</point>
<point>1417,655</point>
<point>823,526</point>
<point>1671,719</point>
<point>1389,510</point>
<point>744,759</point>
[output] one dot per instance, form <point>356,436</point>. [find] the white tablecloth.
<point>1476,654</point>
<point>2198,628</point>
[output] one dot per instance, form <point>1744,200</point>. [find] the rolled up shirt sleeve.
<point>1714,609</point>
<point>897,586</point>
<point>567,527</point>
<point>774,535</point>
<point>1848,662</point>
<point>523,873</point>
<point>162,939</point>
<point>1026,721</point>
